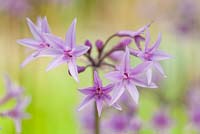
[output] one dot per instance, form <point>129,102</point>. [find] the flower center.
<point>147,56</point>
<point>44,45</point>
<point>126,76</point>
<point>67,53</point>
<point>99,92</point>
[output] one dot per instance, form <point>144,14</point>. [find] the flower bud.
<point>123,43</point>
<point>99,45</point>
<point>79,68</point>
<point>89,44</point>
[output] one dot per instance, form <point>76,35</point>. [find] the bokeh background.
<point>55,97</point>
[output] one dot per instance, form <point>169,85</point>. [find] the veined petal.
<point>18,124</point>
<point>156,44</point>
<point>133,92</point>
<point>114,76</point>
<point>147,39</point>
<point>118,90</point>
<point>45,26</point>
<point>125,65</point>
<point>141,68</point>
<point>31,43</point>
<point>97,80</point>
<point>108,88</point>
<point>55,41</point>
<point>159,68</point>
<point>99,103</point>
<point>29,59</point>
<point>149,75</point>
<point>80,50</point>
<point>71,36</point>
<point>86,91</point>
<point>160,55</point>
<point>56,62</point>
<point>73,69</point>
<point>34,30</point>
<point>85,102</point>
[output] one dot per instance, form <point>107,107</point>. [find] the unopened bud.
<point>99,45</point>
<point>123,43</point>
<point>89,44</point>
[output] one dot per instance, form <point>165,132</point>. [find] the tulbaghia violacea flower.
<point>127,78</point>
<point>18,112</point>
<point>151,54</point>
<point>97,93</point>
<point>67,51</point>
<point>38,43</point>
<point>12,90</point>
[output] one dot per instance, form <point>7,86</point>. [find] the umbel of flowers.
<point>123,77</point>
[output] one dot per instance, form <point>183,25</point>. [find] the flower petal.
<point>156,44</point>
<point>147,39</point>
<point>117,106</point>
<point>149,75</point>
<point>118,90</point>
<point>85,102</point>
<point>159,68</point>
<point>34,30</point>
<point>99,103</point>
<point>141,68</point>
<point>89,90</point>
<point>125,64</point>
<point>29,59</point>
<point>80,50</point>
<point>114,76</point>
<point>56,62</point>
<point>108,88</point>
<point>30,43</point>
<point>73,69</point>
<point>45,26</point>
<point>55,41</point>
<point>133,92</point>
<point>134,52</point>
<point>71,35</point>
<point>18,126</point>
<point>159,55</point>
<point>97,80</point>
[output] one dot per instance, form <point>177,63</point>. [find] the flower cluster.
<point>123,77</point>
<point>17,113</point>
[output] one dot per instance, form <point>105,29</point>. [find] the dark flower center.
<point>67,53</point>
<point>147,56</point>
<point>126,76</point>
<point>99,92</point>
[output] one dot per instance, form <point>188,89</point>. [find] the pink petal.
<point>116,56</point>
<point>80,50</point>
<point>141,68</point>
<point>159,55</point>
<point>97,80</point>
<point>45,26</point>
<point>118,90</point>
<point>156,45</point>
<point>55,41</point>
<point>56,62</point>
<point>133,92</point>
<point>108,88</point>
<point>149,75</point>
<point>125,65</point>
<point>29,59</point>
<point>73,69</point>
<point>99,104</point>
<point>89,90</point>
<point>114,76</point>
<point>85,102</point>
<point>34,30</point>
<point>71,35</point>
<point>159,68</point>
<point>147,39</point>
<point>30,43</point>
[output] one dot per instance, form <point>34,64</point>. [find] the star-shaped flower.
<point>12,90</point>
<point>38,43</point>
<point>152,54</point>
<point>17,113</point>
<point>97,93</point>
<point>66,51</point>
<point>127,78</point>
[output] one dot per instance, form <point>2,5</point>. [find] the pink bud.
<point>99,45</point>
<point>89,44</point>
<point>80,69</point>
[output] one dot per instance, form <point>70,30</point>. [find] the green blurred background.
<point>55,97</point>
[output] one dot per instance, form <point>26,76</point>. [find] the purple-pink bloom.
<point>127,78</point>
<point>161,120</point>
<point>12,90</point>
<point>38,43</point>
<point>98,93</point>
<point>151,54</point>
<point>66,51</point>
<point>18,112</point>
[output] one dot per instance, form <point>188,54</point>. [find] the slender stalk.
<point>97,120</point>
